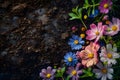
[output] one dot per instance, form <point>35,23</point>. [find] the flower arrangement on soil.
<point>93,49</point>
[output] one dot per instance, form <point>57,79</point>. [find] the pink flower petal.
<point>93,26</point>
<point>90,37</point>
<point>99,25</point>
<point>90,63</point>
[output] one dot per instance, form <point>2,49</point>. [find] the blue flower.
<point>94,14</point>
<point>76,42</point>
<point>70,59</point>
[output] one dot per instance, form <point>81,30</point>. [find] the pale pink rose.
<point>89,55</point>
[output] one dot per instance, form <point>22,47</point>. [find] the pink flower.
<point>105,6</point>
<point>114,27</point>
<point>89,55</point>
<point>96,31</point>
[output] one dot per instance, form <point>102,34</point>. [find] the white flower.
<point>109,54</point>
<point>103,72</point>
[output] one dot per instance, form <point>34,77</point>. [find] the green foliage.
<point>60,72</point>
<point>87,73</point>
<point>76,13</point>
<point>68,78</point>
<point>90,7</point>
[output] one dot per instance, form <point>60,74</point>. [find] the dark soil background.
<point>33,35</point>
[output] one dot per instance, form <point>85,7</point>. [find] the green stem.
<point>100,17</point>
<point>104,39</point>
<point>91,6</point>
<point>83,23</point>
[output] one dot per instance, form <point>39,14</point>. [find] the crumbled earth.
<point>33,35</point>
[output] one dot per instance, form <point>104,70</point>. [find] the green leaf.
<point>93,1</point>
<point>73,18</point>
<point>87,73</point>
<point>86,2</point>
<point>89,10</point>
<point>80,13</point>
<point>72,15</point>
<point>93,10</point>
<point>85,6</point>
<point>75,9</point>
<point>68,78</point>
<point>63,70</point>
<point>60,72</point>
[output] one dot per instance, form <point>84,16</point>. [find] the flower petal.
<point>115,49</point>
<point>90,63</point>
<point>99,65</point>
<point>109,76</point>
<point>49,69</point>
<point>99,75</point>
<point>104,77</point>
<point>116,55</point>
<point>96,70</point>
<point>109,47</point>
<point>110,70</point>
<point>90,37</point>
<point>42,75</point>
<point>93,26</point>
<point>53,71</point>
<point>43,71</point>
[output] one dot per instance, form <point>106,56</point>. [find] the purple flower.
<point>105,6</point>
<point>114,27</point>
<point>74,72</point>
<point>47,74</point>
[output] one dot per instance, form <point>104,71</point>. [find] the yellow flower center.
<point>70,59</point>
<point>97,33</point>
<point>82,35</point>
<point>76,42</point>
<point>114,28</point>
<point>90,55</point>
<point>74,72</point>
<point>48,75</point>
<point>106,5</point>
<point>109,55</point>
<point>104,70</point>
<point>85,16</point>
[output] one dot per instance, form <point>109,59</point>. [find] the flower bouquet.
<point>93,43</point>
